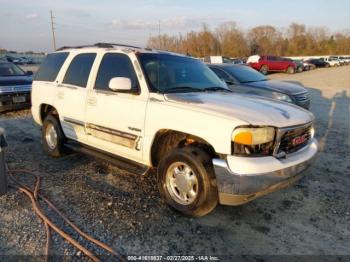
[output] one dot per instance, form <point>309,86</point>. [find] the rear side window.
<point>79,70</point>
<point>50,67</point>
<point>115,65</point>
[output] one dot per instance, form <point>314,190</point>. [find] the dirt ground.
<point>311,218</point>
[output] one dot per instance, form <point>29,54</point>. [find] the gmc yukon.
<point>149,108</point>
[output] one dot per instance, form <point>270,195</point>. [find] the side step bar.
<point>120,162</point>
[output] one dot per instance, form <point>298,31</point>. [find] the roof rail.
<point>101,45</point>
<point>112,45</point>
<point>71,47</point>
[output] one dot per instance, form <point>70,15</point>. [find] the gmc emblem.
<point>299,140</point>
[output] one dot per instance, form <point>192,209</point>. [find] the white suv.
<point>143,108</point>
<point>332,61</point>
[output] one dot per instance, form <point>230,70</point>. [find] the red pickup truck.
<point>268,63</point>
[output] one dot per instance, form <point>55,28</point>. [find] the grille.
<point>287,145</point>
<point>303,99</point>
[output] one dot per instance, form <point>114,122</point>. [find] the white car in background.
<point>333,61</point>
<point>345,60</point>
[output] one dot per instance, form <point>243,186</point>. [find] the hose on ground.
<point>35,196</point>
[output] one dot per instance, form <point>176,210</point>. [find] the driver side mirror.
<point>120,84</point>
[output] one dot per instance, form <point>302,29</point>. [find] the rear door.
<point>71,96</point>
<point>273,63</point>
<point>281,64</point>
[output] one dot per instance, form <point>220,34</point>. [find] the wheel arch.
<point>45,110</point>
<point>166,139</point>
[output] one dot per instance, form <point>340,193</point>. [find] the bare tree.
<point>228,40</point>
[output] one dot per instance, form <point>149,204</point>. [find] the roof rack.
<point>100,45</point>
<point>112,45</point>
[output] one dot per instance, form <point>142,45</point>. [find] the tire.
<point>52,137</point>
<point>202,185</point>
<point>300,69</point>
<point>264,69</point>
<point>327,65</point>
<point>290,70</point>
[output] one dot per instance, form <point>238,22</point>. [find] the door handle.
<point>92,101</point>
<point>60,95</point>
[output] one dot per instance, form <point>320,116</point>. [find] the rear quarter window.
<point>50,67</point>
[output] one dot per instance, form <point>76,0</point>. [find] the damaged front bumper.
<point>242,179</point>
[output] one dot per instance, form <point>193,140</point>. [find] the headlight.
<point>282,97</point>
<point>312,132</point>
<point>253,141</point>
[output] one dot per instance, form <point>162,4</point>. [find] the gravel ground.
<point>124,210</point>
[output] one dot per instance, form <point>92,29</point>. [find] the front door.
<point>115,120</point>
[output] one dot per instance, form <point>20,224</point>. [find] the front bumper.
<point>242,179</point>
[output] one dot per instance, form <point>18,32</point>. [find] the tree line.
<point>229,40</point>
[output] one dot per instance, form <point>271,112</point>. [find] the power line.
<point>53,30</point>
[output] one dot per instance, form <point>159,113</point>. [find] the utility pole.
<point>159,35</point>
<point>53,31</point>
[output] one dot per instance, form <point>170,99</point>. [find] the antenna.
<point>53,30</point>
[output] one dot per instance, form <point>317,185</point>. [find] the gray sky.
<point>25,24</point>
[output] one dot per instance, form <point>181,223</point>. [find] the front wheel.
<point>53,137</point>
<point>187,182</point>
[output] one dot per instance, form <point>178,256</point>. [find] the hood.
<point>280,86</point>
<point>251,109</point>
<point>15,80</point>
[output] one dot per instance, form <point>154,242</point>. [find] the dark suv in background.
<point>318,62</point>
<point>15,87</point>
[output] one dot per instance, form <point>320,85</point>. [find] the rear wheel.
<point>187,182</point>
<point>290,70</point>
<point>264,69</point>
<point>52,137</point>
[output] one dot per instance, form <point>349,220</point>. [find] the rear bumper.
<point>7,101</point>
<point>242,179</point>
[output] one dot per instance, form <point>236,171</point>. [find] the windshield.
<point>245,74</point>
<point>165,72</point>
<point>7,69</point>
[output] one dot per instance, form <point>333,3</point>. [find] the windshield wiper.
<point>217,88</point>
<point>253,81</point>
<point>179,89</point>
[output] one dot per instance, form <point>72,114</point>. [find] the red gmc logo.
<point>299,140</point>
